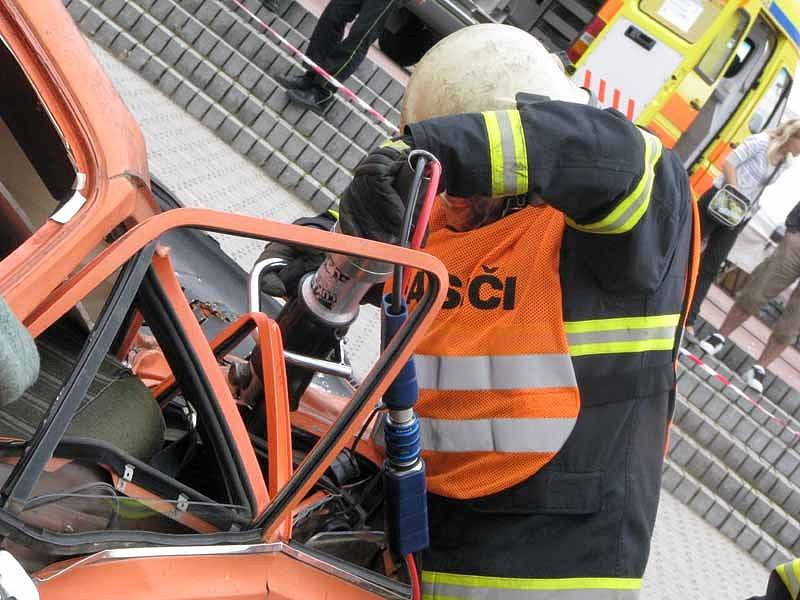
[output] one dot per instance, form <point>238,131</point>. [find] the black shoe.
<point>713,343</point>
<point>755,378</point>
<point>316,99</point>
<point>295,82</point>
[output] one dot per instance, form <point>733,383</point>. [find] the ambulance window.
<point>771,103</point>
<point>690,19</point>
<point>722,48</point>
<point>742,54</point>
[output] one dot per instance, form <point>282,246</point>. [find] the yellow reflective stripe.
<point>495,152</point>
<point>398,145</point>
<point>795,566</point>
<point>508,154</point>
<point>334,213</point>
<point>622,334</point>
<point>622,347</point>
<point>514,583</point>
<point>630,210</point>
<point>520,151</point>
<point>790,575</point>
<point>621,323</point>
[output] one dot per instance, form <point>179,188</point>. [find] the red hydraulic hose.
<point>416,593</point>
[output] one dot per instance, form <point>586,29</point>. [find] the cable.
<point>427,204</point>
<point>45,499</point>
<point>363,429</point>
<point>405,232</point>
<point>416,593</point>
<point>425,212</point>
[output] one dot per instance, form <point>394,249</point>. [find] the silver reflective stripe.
<point>441,591</point>
<point>621,335</point>
<point>494,435</point>
<point>510,166</point>
<point>503,372</point>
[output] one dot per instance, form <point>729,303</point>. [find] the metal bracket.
<point>182,505</point>
<point>127,476</point>
<point>191,415</point>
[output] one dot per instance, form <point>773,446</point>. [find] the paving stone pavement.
<point>689,559</point>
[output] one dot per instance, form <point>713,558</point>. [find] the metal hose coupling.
<point>333,293</point>
<point>402,438</point>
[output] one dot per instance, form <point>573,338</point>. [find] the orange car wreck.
<point>133,467</point>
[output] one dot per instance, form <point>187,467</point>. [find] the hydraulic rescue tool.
<point>313,324</point>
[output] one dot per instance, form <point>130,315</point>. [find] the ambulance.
<point>701,74</point>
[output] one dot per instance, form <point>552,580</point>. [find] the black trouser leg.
<point>341,57</point>
<point>720,241</point>
<point>330,28</point>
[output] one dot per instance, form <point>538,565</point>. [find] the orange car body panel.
<point>104,139</point>
<point>249,575</point>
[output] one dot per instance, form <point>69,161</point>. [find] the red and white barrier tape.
<point>728,384</point>
<point>346,92</point>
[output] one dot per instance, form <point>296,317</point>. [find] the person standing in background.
<point>338,55</point>
<point>757,161</point>
<point>777,272</point>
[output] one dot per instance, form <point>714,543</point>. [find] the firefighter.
<point>547,381</point>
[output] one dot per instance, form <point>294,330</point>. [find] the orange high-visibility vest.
<point>498,396</point>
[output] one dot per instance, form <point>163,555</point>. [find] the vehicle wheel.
<point>409,43</point>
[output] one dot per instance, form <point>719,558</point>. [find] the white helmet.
<point>483,67</point>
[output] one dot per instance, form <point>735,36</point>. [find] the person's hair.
<point>779,137</point>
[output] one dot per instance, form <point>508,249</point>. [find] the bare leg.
<point>735,317</point>
<point>772,350</point>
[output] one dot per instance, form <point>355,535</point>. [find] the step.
<point>722,516</point>
<point>759,409</point>
<point>727,483</point>
<point>232,41</point>
<point>250,141</point>
<point>235,81</point>
<point>752,403</point>
<point>734,359</point>
<point>727,468</point>
<point>238,82</point>
<point>373,85</point>
<point>721,416</point>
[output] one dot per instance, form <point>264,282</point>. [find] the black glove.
<point>371,207</point>
<point>284,282</point>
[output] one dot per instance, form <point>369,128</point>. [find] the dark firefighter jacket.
<point>624,263</point>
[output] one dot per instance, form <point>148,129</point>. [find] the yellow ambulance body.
<point>701,74</point>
